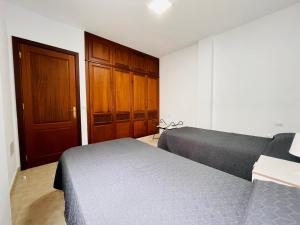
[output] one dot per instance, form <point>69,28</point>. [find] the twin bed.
<point>229,152</point>
<point>126,182</point>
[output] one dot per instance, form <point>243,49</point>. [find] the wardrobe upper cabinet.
<point>121,57</point>
<point>138,62</point>
<point>99,50</point>
<point>152,66</point>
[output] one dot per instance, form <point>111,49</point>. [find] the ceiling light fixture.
<point>160,6</point>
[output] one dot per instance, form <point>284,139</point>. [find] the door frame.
<point>16,43</point>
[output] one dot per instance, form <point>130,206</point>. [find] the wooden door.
<point>139,105</point>
<point>51,122</point>
<point>101,103</point>
<point>123,93</point>
<point>153,104</point>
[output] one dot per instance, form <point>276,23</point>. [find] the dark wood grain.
<point>138,62</point>
<point>100,83</point>
<point>100,50</point>
<point>153,93</point>
<point>139,105</point>
<point>122,90</point>
<point>153,104</point>
<point>122,87</point>
<point>47,85</point>
<point>139,128</point>
<point>152,64</point>
<point>103,133</point>
<point>121,57</point>
<point>152,126</point>
<point>123,129</point>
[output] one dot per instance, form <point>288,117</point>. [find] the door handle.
<point>74,111</point>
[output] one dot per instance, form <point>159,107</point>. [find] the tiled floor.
<point>33,199</point>
<point>151,140</point>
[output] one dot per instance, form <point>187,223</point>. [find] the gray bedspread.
<point>232,153</point>
<point>273,204</point>
<point>126,182</point>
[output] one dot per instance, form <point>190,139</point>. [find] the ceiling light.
<point>160,6</point>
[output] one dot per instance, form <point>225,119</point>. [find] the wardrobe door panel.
<point>138,62</point>
<point>121,57</point>
<point>152,66</point>
<point>100,103</point>
<point>139,128</point>
<point>152,126</point>
<point>123,129</point>
<point>153,90</point>
<point>103,133</point>
<point>100,50</point>
<point>139,105</point>
<point>153,104</point>
<point>122,90</point>
<point>123,93</point>
<point>139,92</point>
<point>101,88</point>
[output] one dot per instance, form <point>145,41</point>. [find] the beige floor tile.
<point>33,199</point>
<point>151,140</point>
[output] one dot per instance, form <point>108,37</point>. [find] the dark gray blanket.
<point>232,153</point>
<point>273,204</point>
<point>126,182</point>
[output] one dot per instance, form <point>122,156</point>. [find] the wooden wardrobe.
<point>122,91</point>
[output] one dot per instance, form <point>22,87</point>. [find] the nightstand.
<point>277,170</point>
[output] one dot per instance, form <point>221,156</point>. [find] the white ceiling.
<point>131,23</point>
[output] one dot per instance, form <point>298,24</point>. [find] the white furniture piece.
<point>295,148</point>
<point>276,170</point>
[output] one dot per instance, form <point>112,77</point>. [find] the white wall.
<point>247,77</point>
<point>205,83</point>
<point>256,76</point>
<point>10,124</point>
<point>4,184</point>
<point>28,25</point>
<point>178,86</point>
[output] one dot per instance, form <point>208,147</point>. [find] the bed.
<point>127,182</point>
<point>232,153</point>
